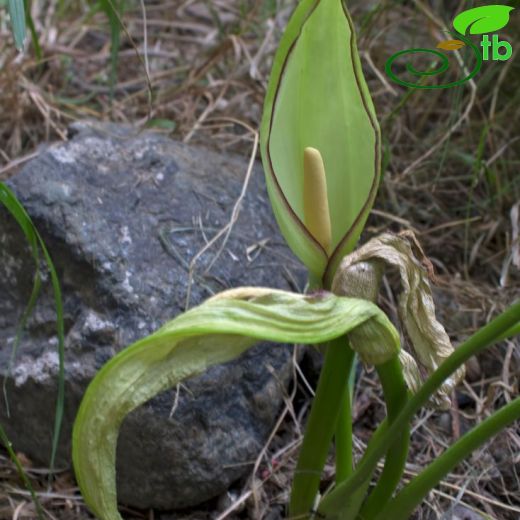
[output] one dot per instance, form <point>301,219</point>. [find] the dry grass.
<point>451,160</point>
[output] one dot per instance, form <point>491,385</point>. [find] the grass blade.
<point>36,244</point>
<point>32,30</point>
<point>113,10</point>
<point>21,472</point>
<point>17,14</point>
<point>21,327</point>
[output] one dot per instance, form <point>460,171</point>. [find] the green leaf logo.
<point>484,19</point>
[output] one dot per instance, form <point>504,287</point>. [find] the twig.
<point>226,230</point>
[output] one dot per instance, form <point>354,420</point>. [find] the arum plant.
<point>321,154</point>
<point>320,145</point>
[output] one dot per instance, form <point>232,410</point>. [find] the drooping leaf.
<point>317,97</point>
<point>215,332</point>
<point>483,19</point>
<point>360,274</point>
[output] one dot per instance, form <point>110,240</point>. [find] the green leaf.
<point>317,97</point>
<point>402,506</point>
<point>387,434</point>
<point>484,19</point>
<point>215,332</point>
<point>17,15</point>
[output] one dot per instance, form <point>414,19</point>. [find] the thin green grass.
<point>23,476</point>
<point>21,327</point>
<point>32,30</point>
<point>37,247</point>
<point>113,10</point>
<point>17,15</point>
<point>20,15</point>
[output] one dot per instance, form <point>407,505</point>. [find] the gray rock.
<point>122,214</point>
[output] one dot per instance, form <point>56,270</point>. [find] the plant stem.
<point>389,433</point>
<point>396,396</point>
<point>343,436</point>
<point>321,426</point>
<point>513,331</point>
<point>402,506</point>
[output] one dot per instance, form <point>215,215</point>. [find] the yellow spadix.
<point>315,200</point>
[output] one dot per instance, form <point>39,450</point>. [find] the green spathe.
<point>215,332</point>
<point>317,97</point>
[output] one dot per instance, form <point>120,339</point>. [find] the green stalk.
<point>396,396</point>
<point>321,426</point>
<point>351,507</point>
<point>343,433</point>
<point>513,331</point>
<point>402,506</point>
<point>343,436</point>
<point>475,344</point>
